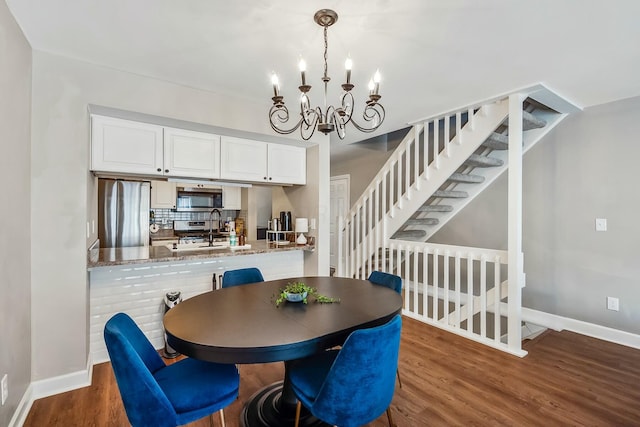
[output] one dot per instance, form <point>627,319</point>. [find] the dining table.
<point>243,325</point>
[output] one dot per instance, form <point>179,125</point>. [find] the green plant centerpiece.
<point>300,292</point>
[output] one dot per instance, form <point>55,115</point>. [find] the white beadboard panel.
<point>139,290</point>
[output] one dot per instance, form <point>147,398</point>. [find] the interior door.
<point>339,199</point>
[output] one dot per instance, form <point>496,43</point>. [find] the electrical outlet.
<point>613,304</point>
<point>5,388</point>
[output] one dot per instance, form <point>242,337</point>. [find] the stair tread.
<point>451,194</point>
<point>497,141</point>
<point>416,234</point>
<point>529,121</point>
<point>422,221</point>
<point>463,177</point>
<point>435,208</point>
<point>482,161</point>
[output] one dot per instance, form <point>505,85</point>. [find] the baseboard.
<point>559,323</point>
<point>49,387</point>
<point>20,415</point>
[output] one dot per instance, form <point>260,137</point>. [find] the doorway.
<point>340,203</point>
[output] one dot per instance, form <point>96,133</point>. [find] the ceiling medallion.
<point>328,118</point>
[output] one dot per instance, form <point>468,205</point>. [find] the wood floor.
<point>566,380</point>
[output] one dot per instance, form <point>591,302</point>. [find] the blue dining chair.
<point>390,281</point>
<point>354,385</point>
<point>241,276</point>
<point>155,394</point>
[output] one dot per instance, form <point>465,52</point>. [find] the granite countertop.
<point>104,257</point>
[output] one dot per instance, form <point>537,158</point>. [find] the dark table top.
<point>241,324</point>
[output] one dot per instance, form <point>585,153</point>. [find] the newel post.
<point>515,257</point>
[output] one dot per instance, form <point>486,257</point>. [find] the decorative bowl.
<point>295,297</point>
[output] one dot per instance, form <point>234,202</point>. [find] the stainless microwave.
<point>198,199</point>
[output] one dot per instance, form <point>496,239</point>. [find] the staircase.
<point>440,166</point>
<point>473,175</point>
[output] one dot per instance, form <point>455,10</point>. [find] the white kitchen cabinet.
<point>287,164</point>
<point>163,195</point>
<point>124,146</point>
<point>191,154</point>
<point>232,198</point>
<point>243,159</point>
<point>256,161</point>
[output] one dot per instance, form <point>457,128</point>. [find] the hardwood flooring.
<point>566,380</point>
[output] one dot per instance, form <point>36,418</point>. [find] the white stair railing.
<point>461,289</point>
<point>422,162</point>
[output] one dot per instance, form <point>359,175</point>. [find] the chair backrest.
<point>360,384</point>
<point>386,279</point>
<point>241,276</point>
<point>134,360</point>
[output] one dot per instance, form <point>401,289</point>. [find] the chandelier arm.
<point>280,114</point>
<point>372,113</point>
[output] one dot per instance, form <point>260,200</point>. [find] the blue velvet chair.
<point>354,385</point>
<point>241,276</point>
<point>155,394</point>
<point>390,281</point>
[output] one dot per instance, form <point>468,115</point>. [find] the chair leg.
<point>298,407</point>
<point>391,424</point>
<point>222,418</point>
<point>399,380</point>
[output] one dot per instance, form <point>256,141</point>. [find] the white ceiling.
<point>434,55</point>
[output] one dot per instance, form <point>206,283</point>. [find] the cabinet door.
<point>243,160</point>
<point>191,154</point>
<point>232,198</point>
<point>124,146</point>
<point>287,164</point>
<point>163,195</point>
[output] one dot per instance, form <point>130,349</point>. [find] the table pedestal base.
<point>265,409</point>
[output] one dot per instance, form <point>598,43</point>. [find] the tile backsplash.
<point>169,215</point>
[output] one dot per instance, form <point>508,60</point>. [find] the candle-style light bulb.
<point>371,86</point>
<point>274,82</point>
<point>376,80</point>
<point>347,65</point>
<point>303,67</point>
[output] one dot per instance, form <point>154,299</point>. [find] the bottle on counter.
<point>241,239</point>
<point>232,238</point>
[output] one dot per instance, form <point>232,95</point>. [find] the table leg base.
<point>263,409</point>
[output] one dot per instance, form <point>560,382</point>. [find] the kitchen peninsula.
<point>135,280</point>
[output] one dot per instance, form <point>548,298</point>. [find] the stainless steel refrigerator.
<point>123,213</point>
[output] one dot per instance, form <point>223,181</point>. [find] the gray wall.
<point>64,192</point>
<point>585,168</point>
<point>363,160</point>
<point>15,247</point>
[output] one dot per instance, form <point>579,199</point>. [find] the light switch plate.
<point>601,224</point>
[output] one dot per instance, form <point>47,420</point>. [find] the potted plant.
<point>300,292</point>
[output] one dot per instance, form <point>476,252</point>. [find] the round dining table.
<point>242,324</point>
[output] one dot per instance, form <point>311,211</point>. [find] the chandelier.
<point>328,118</point>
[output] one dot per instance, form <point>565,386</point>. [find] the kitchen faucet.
<point>214,211</point>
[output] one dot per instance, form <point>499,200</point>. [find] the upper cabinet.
<point>243,159</point>
<point>128,147</point>
<point>287,164</point>
<point>191,154</point>
<point>163,195</point>
<point>124,146</point>
<point>232,198</point>
<point>248,160</point>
